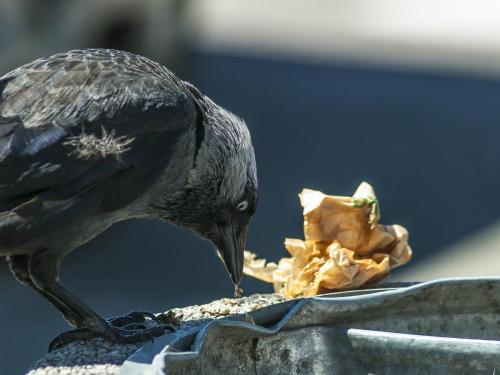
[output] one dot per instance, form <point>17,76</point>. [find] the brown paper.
<point>344,248</point>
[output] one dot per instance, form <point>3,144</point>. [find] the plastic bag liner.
<point>439,327</point>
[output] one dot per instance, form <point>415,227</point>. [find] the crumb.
<point>237,291</point>
<point>170,317</point>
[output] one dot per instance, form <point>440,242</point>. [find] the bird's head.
<point>220,195</point>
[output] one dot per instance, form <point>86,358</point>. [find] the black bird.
<point>92,137</point>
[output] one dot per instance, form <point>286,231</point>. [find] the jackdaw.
<point>92,137</point>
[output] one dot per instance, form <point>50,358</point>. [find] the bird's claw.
<point>134,317</point>
<point>127,329</point>
<point>132,336</point>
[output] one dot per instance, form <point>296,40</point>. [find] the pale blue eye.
<point>242,206</point>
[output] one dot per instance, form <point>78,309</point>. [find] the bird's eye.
<point>242,206</point>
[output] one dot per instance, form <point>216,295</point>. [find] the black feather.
<point>47,106</point>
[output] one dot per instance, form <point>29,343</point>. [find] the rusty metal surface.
<point>444,326</point>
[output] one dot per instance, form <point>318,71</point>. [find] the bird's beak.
<point>231,238</point>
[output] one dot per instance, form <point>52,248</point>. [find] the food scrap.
<point>345,247</point>
<point>237,291</point>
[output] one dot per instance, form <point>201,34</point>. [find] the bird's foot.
<point>128,329</point>
<point>134,319</point>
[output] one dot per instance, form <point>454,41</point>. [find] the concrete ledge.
<point>102,357</point>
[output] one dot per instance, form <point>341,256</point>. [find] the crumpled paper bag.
<point>345,247</point>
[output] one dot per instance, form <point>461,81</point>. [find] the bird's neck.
<point>158,200</point>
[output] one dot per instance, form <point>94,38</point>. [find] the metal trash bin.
<point>440,327</point>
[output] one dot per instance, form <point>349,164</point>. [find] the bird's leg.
<point>18,265</point>
<point>42,271</point>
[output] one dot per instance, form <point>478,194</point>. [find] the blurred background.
<point>404,95</point>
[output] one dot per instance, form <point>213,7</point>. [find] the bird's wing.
<point>89,119</point>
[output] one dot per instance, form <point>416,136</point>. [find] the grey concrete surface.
<point>102,357</point>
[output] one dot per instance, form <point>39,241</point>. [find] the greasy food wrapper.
<point>345,247</point>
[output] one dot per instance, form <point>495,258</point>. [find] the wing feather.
<point>48,104</point>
